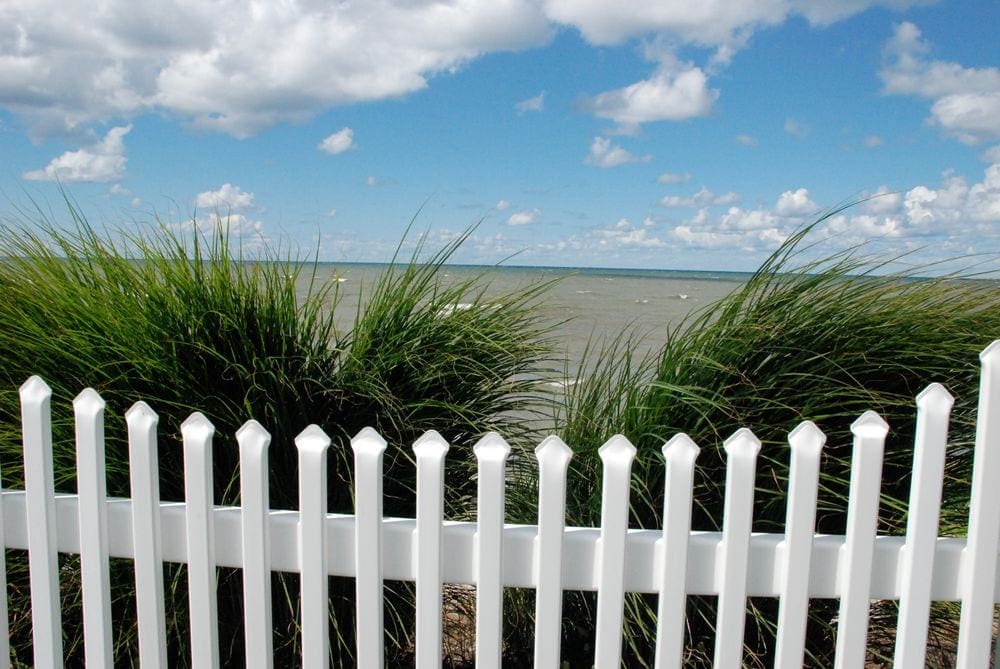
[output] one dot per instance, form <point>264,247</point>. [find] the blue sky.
<point>666,135</point>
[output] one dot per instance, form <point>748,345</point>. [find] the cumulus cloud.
<point>965,101</point>
<point>338,142</point>
<point>604,153</point>
<point>882,201</point>
<point>991,155</point>
<point>623,234</point>
<point>227,197</point>
<point>675,92</point>
<point>954,213</point>
<point>703,198</point>
<point>239,67</point>
<point>523,217</point>
<point>229,209</point>
<point>795,203</point>
<point>102,161</point>
<point>668,178</point>
<point>502,205</point>
<point>535,104</point>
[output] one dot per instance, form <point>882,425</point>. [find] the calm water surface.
<point>592,302</point>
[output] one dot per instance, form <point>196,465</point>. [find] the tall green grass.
<point>802,339</point>
<point>188,323</point>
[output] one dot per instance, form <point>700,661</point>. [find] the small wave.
<point>450,309</point>
<point>561,384</point>
<point>583,292</point>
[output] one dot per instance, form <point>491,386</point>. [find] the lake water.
<point>593,302</point>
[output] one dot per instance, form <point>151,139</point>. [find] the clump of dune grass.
<point>187,322</point>
<point>822,340</point>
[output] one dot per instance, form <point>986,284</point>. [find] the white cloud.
<point>603,153</point>
<point>727,26</point>
<point>338,142</point>
<point>965,100</point>
<point>228,209</point>
<point>797,128</point>
<point>227,198</point>
<point>102,161</point>
<point>746,140</point>
<point>991,155</point>
<point>795,203</point>
<point>873,141</point>
<point>535,104</point>
<point>703,198</point>
<point>882,201</point>
<point>523,217</point>
<point>239,67</point>
<point>953,214</point>
<point>955,205</point>
<point>502,205</point>
<point>625,235</point>
<point>675,92</point>
<point>668,178</point>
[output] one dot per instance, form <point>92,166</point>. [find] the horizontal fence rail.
<point>732,564</point>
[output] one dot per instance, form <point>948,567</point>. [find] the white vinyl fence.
<point>548,557</point>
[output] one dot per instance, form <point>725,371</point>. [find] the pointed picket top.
<point>312,440</point>
<point>991,354</point>
<point>35,390</point>
<point>617,449</point>
<point>681,449</point>
<point>141,416</point>
<point>742,443</point>
<point>430,444</point>
<point>553,452</point>
<point>88,403</point>
<point>252,436</point>
<point>935,397</point>
<point>197,427</point>
<point>870,424</point>
<point>368,441</point>
<point>807,438</point>
<point>491,448</point>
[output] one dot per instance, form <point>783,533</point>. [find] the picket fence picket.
<point>88,408</point>
<point>255,529</point>
<point>197,433</point>
<point>491,454</point>
<point>979,563</point>
<point>805,442</point>
<point>429,450</point>
<point>368,449</point>
<point>39,489</point>
<point>672,562</point>
<point>679,455</point>
<point>553,457</point>
<point>917,558</point>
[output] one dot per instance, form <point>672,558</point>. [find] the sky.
<point>605,133</point>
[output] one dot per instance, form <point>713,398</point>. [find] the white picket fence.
<point>549,557</point>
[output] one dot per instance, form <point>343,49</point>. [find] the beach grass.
<point>821,340</point>
<point>185,322</point>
